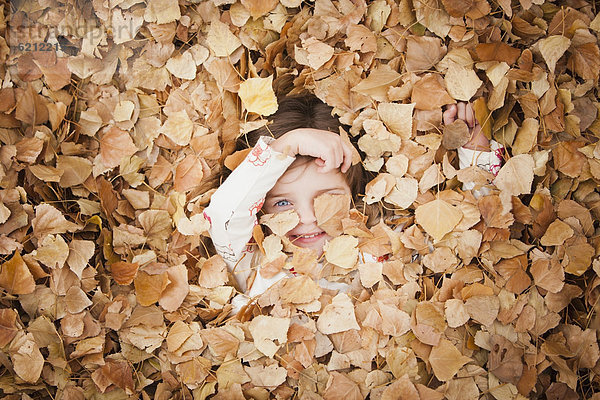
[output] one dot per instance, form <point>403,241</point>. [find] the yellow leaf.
<point>342,251</point>
<point>220,39</point>
<point>178,127</point>
<point>556,234</point>
<point>182,66</point>
<point>516,176</point>
<point>162,11</point>
<point>462,83</point>
<point>446,360</point>
<point>337,316</point>
<point>281,223</point>
<point>438,218</point>
<point>397,117</point>
<point>526,136</point>
<point>552,49</point>
<point>269,333</point>
<point>258,96</point>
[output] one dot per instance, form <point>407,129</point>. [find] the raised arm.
<point>233,207</point>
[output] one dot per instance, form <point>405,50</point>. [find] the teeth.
<point>310,236</point>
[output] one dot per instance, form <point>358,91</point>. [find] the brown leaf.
<point>456,134</point>
<point>556,234</point>
<point>428,323</point>
<point>188,174</point>
<point>149,288</point>
<point>300,290</point>
<point>498,51</point>
<point>27,360</point>
<point>48,220</point>
<point>108,197</point>
<point>28,149</point>
<point>269,333</point>
<point>266,376</point>
<point>585,61</point>
<point>446,360</point>
<point>123,272</point>
<point>193,373</point>
<point>330,209</point>
<point>505,359</point>
<point>176,290</point>
<point>339,386</point>
<point>423,52</point>
<point>15,276</point>
<point>114,372</point>
<point>115,144</point>
<point>31,107</point>
<point>567,158</point>
<point>515,177</point>
<point>281,223</point>
<point>213,272</point>
<point>73,170</point>
<point>513,270</point>
<point>8,326</point>
<point>457,8</point>
<point>337,316</point>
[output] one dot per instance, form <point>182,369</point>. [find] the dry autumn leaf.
<point>338,316</point>
<point>502,304</point>
<point>342,251</point>
<point>257,95</point>
<point>280,223</point>
<point>269,333</point>
<point>446,360</point>
<point>438,218</point>
<point>330,210</point>
<point>15,277</point>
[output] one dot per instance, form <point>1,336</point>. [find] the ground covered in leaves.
<point>116,118</point>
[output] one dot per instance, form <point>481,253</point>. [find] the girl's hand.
<point>328,148</point>
<point>465,112</point>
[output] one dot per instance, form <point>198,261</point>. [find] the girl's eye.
<point>282,203</point>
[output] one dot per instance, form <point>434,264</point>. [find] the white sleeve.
<point>488,160</point>
<point>233,207</point>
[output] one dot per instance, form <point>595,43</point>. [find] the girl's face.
<point>297,189</point>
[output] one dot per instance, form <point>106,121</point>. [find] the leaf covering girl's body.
<point>298,158</point>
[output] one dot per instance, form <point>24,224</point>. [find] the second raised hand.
<point>465,112</point>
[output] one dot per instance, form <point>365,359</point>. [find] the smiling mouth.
<point>306,237</point>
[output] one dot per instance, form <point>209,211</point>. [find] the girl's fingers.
<point>469,115</point>
<point>450,114</point>
<point>461,114</point>
<point>347,157</point>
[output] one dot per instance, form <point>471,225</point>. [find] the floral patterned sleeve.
<point>233,207</point>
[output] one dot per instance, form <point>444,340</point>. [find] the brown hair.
<point>305,111</point>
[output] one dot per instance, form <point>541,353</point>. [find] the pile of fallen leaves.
<point>115,121</point>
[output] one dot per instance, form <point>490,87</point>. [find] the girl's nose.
<point>306,214</point>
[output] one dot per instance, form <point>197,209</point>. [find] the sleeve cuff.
<point>489,160</point>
